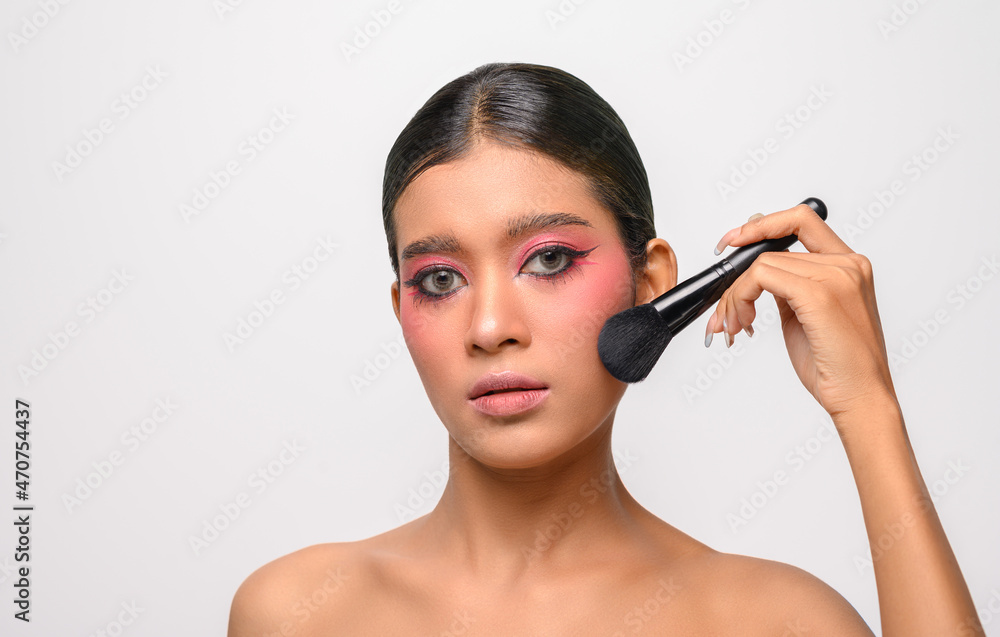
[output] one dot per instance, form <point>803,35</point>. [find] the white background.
<point>368,451</point>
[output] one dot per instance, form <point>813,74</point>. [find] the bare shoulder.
<point>296,591</point>
<point>779,598</point>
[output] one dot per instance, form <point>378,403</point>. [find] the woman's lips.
<point>510,402</point>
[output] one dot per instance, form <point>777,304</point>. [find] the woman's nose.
<point>496,317</point>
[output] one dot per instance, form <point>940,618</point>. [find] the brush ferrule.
<point>686,301</point>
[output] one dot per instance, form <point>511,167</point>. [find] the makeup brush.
<point>632,341</point>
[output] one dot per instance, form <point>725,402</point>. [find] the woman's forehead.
<point>494,188</point>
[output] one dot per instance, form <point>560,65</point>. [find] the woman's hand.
<point>826,299</point>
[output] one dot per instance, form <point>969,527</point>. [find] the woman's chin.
<point>527,444</point>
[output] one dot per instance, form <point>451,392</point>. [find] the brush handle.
<point>688,300</point>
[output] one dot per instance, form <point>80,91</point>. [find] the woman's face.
<point>507,263</point>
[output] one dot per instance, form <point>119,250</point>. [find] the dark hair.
<point>539,108</point>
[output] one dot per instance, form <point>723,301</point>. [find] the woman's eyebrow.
<point>516,228</point>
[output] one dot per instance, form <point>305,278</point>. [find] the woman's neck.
<point>513,525</point>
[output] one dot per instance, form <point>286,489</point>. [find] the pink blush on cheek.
<point>412,320</point>
<point>413,323</point>
<point>607,288</point>
<point>425,327</point>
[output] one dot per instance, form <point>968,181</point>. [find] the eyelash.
<point>554,277</point>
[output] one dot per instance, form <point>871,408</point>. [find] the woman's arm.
<point>921,590</point>
<point>830,321</point>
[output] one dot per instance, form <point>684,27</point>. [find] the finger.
<point>724,320</point>
<point>785,311</point>
<point>808,259</point>
<point>715,324</point>
<point>838,274</point>
<point>814,233</point>
<point>710,327</point>
<point>738,307</point>
<point>813,265</point>
<point>833,279</point>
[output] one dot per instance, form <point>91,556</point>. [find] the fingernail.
<point>756,215</point>
<point>749,330</point>
<point>723,243</point>
<point>729,339</point>
<point>708,338</point>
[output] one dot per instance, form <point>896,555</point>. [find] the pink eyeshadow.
<point>414,267</point>
<point>565,238</point>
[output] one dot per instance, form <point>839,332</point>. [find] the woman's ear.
<point>395,299</point>
<point>660,273</point>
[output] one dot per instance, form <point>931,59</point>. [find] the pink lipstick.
<point>506,394</point>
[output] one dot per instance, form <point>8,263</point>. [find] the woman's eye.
<point>553,264</point>
<point>550,261</point>
<point>439,282</point>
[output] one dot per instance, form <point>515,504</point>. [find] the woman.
<point>519,218</point>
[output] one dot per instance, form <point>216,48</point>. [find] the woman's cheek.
<point>607,290</point>
<point>577,318</point>
<point>428,337</point>
<point>413,323</point>
<point>612,289</point>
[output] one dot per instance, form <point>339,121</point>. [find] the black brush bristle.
<point>632,341</point>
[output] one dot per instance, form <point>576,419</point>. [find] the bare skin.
<point>535,534</point>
